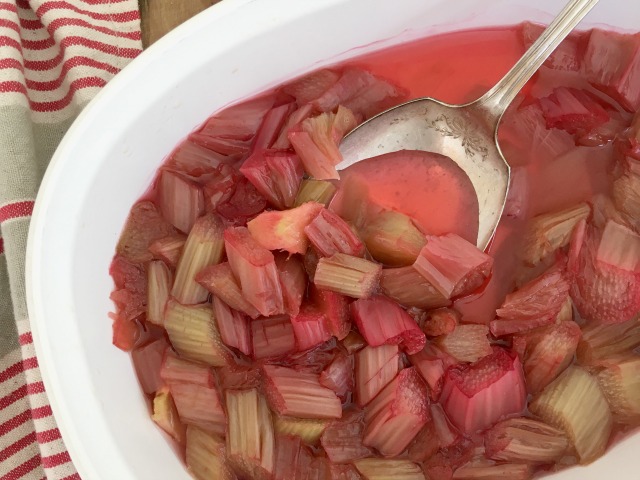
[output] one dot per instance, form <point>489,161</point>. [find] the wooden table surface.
<point>160,16</point>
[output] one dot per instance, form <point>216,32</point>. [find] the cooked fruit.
<point>285,230</point>
<point>205,455</point>
<point>375,368</point>
<point>166,416</point>
<point>348,275</point>
<point>619,379</point>
<point>575,404</point>
<point>393,239</point>
<point>329,234</point>
<point>453,265</point>
<point>477,395</point>
<point>467,343</point>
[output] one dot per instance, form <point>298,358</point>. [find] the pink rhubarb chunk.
<point>453,265</point>
<point>535,304</point>
<point>276,174</point>
<point>272,337</point>
<point>381,321</point>
<point>299,394</point>
<point>255,268</point>
<point>330,234</point>
<point>477,395</point>
<point>397,414</point>
<point>310,327</point>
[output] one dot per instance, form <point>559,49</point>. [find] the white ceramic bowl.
<point>109,156</point>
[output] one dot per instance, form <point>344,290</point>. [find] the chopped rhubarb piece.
<point>548,353</point>
<point>425,444</point>
<point>338,376</point>
<point>144,226</point>
<point>572,110</point>
<point>348,275</point>
<point>442,465</point>
<point>397,414</point>
<point>626,195</point>
<point>205,455</point>
<point>535,304</point>
<point>353,342</point>
<point>407,287</point>
<point>382,321</point>
<point>315,162</point>
<point>194,334</point>
<point>516,205</point>
<point>271,125</point>
<point>342,439</point>
<point>272,337</point>
<point>299,394</point>
<point>194,160</point>
<point>308,429</point>
<point>131,334</point>
<point>384,469</point>
<point>311,86</point>
<point>159,286</point>
<point>293,280</point>
<point>285,230</point>
<point>525,440</point>
<point>477,395</point>
<point>612,63</point>
<point>302,113</point>
<point>575,404</point>
<point>316,468</point>
<point>238,377</point>
<point>552,231</point>
<point>453,265</point>
<point>219,280</point>
<point>393,239</point>
<point>605,341</point>
<point>310,327</point>
<point>619,380</point>
<point>344,472</point>
<point>204,246</point>
<point>330,234</point>
<point>314,360</point>
<point>467,343</point>
<point>431,363</point>
<point>286,466</point>
<point>335,308</point>
<point>199,406</point>
<point>166,416</point>
<point>255,268</point>
<point>233,326</point>
<point>240,121</point>
<point>181,200</point>
<point>316,142</point>
<point>607,287</point>
<point>250,436</point>
<point>147,361</point>
<point>130,294</point>
<point>175,369</point>
<point>566,56</point>
<point>276,174</point>
<point>375,368</point>
<point>231,148</point>
<point>366,93</point>
<point>168,249</point>
<point>490,471</point>
<point>244,203</point>
<point>440,322</point>
<point>446,433</point>
<point>319,191</point>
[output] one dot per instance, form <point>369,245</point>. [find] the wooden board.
<point>160,16</point>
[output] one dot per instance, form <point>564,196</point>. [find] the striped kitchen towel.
<point>54,57</point>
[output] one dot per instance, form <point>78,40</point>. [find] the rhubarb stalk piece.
<point>204,246</point>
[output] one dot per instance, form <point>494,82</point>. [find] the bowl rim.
<point>33,273</point>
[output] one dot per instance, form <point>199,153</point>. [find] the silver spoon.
<point>468,134</point>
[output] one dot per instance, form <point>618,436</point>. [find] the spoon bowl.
<point>468,134</point>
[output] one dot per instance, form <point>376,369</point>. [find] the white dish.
<point>108,158</point>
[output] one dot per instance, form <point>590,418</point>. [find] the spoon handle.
<point>495,101</point>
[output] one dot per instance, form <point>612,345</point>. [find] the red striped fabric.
<point>16,209</point>
<point>56,54</point>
